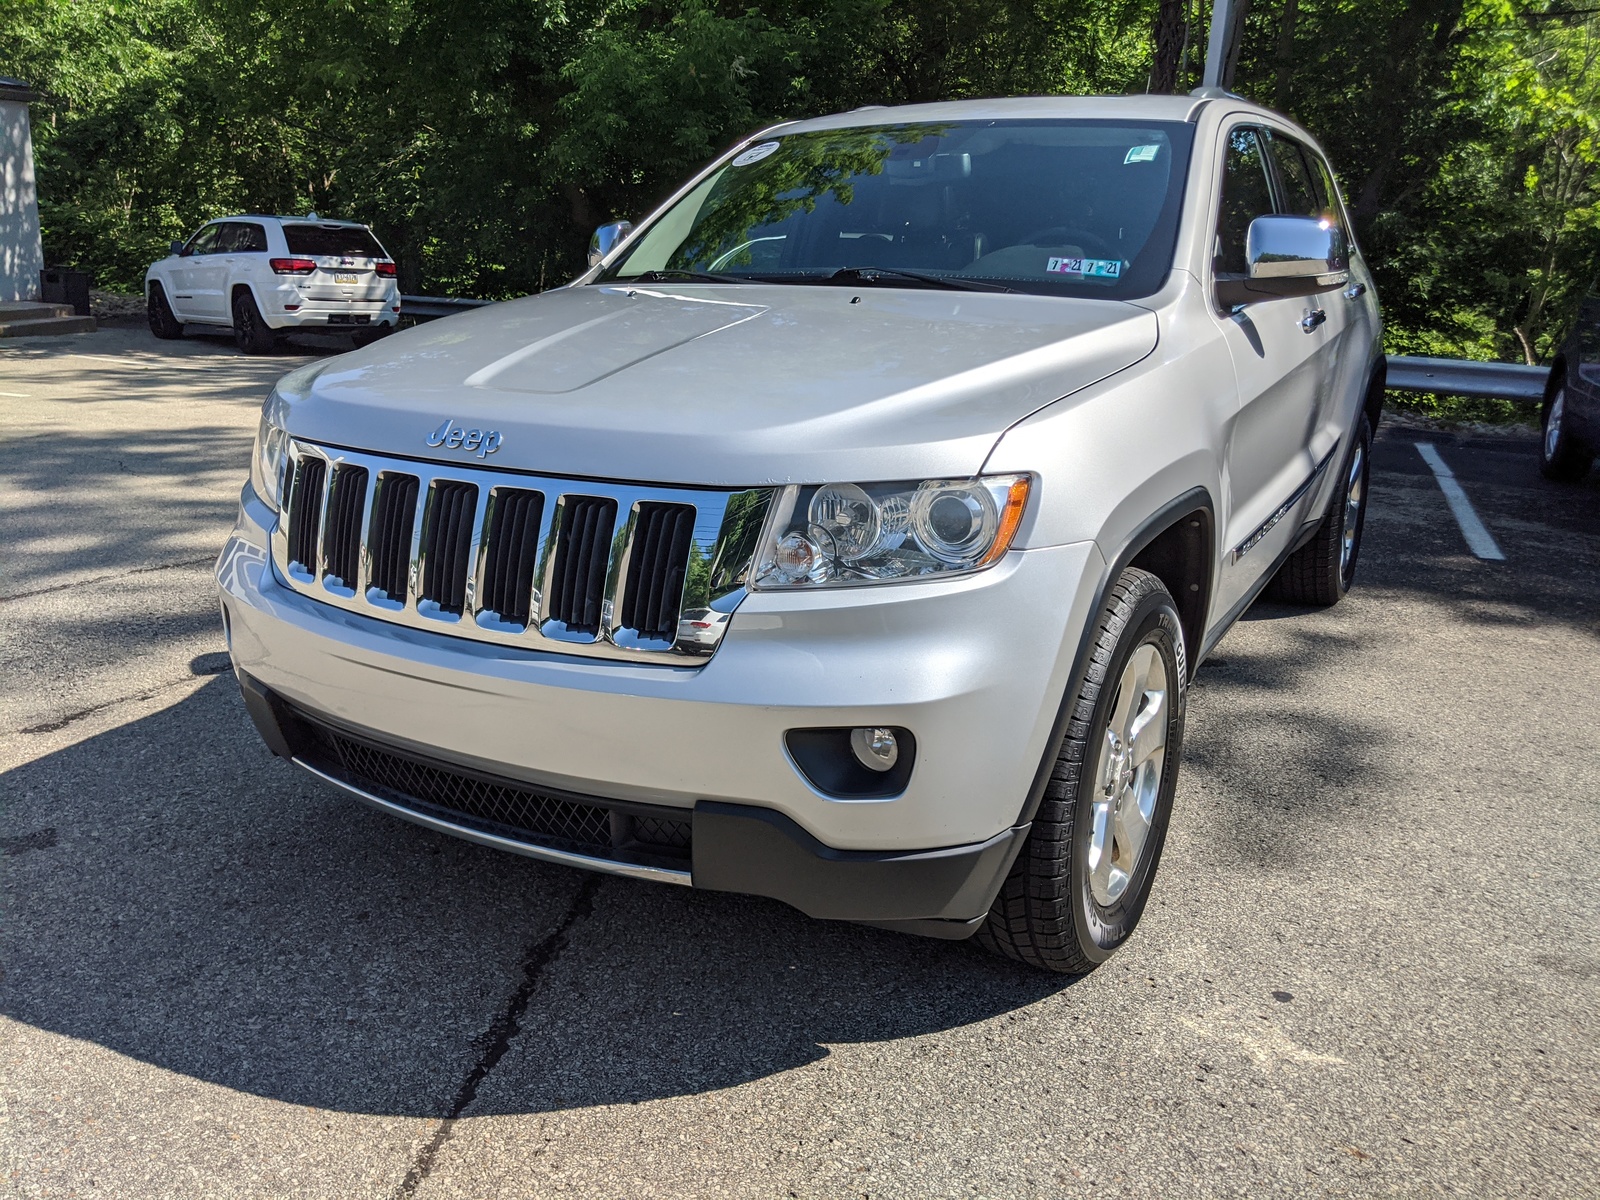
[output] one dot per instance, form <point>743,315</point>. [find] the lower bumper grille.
<point>632,833</point>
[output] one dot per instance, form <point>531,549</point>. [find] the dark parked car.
<point>1571,416</point>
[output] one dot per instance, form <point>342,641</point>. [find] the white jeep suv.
<point>981,422</point>
<point>265,276</point>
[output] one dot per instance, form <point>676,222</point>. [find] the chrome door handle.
<point>1355,291</point>
<point>1312,319</point>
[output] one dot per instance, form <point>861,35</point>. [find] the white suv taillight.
<point>293,266</point>
<point>386,269</point>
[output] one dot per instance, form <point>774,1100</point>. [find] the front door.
<point>186,273</point>
<point>1281,353</point>
<point>208,280</point>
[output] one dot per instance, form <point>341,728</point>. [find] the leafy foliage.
<point>484,139</point>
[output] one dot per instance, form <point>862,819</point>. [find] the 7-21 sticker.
<point>1088,268</point>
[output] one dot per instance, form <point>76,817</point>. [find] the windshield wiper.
<point>663,276</point>
<point>873,274</point>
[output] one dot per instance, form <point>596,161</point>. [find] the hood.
<point>721,385</point>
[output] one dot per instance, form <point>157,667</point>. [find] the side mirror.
<point>605,239</point>
<point>1288,256</point>
<point>176,248</point>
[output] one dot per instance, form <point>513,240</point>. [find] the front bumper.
<point>976,668</point>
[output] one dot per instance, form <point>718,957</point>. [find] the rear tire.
<point>1561,457</point>
<point>250,333</point>
<point>1080,884</point>
<point>1320,572</point>
<point>163,321</point>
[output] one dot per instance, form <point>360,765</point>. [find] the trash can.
<point>61,285</point>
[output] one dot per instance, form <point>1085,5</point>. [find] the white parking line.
<point>1479,540</point>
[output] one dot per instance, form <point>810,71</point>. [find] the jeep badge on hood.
<point>452,437</point>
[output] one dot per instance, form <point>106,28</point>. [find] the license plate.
<point>346,278</point>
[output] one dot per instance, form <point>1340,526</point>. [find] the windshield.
<point>1078,208</point>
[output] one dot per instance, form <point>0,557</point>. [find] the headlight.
<point>841,534</point>
<point>271,452</point>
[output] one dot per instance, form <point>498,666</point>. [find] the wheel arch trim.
<point>1197,500</point>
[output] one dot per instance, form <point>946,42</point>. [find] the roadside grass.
<point>1463,410</point>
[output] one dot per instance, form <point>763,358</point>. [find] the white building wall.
<point>21,255</point>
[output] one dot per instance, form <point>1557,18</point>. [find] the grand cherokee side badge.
<point>451,436</point>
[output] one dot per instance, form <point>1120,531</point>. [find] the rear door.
<point>245,254</point>
<point>347,258</point>
<point>1280,365</point>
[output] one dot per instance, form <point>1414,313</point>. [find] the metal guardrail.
<point>1441,376</point>
<point>1457,377</point>
<point>425,308</point>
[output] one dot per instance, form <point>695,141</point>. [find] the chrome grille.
<point>578,574</point>
<point>341,549</point>
<point>303,527</point>
<point>569,566</point>
<point>513,554</point>
<point>447,545</point>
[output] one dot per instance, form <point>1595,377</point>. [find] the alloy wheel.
<point>1552,425</point>
<point>1355,494</point>
<point>1128,779</point>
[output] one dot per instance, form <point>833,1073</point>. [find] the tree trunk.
<point>1285,64</point>
<point>1235,42</point>
<point>1169,46</point>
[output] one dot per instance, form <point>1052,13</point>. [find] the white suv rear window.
<point>343,241</point>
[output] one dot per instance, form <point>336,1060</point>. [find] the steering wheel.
<point>1063,235</point>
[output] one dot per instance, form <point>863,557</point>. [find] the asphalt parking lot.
<point>1371,965</point>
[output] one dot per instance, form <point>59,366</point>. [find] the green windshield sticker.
<point>1088,268</point>
<point>1141,154</point>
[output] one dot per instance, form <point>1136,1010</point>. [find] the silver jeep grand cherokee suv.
<point>983,420</point>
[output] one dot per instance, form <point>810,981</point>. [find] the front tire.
<point>1079,886</point>
<point>1561,458</point>
<point>164,322</point>
<point>1321,572</point>
<point>250,333</point>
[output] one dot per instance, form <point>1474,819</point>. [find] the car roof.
<point>295,220</point>
<point>1136,108</point>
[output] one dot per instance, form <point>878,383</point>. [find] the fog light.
<point>875,748</point>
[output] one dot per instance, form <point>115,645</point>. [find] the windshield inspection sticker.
<point>1089,268</point>
<point>755,154</point>
<point>1141,154</point>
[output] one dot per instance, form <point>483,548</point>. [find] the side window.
<point>1308,189</point>
<point>252,238</point>
<point>227,238</point>
<point>204,242</point>
<point>1246,195</point>
<point>1332,206</point>
<point>1299,195</point>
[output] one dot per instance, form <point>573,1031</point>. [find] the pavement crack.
<point>78,583</point>
<point>497,1039</point>
<point>79,714</point>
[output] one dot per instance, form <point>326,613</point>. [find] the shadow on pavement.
<point>179,897</point>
